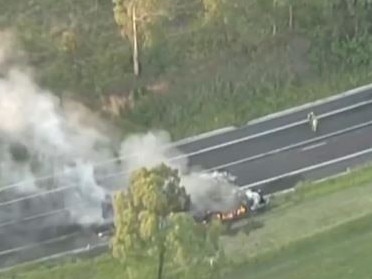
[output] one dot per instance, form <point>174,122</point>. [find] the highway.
<point>276,120</point>
<point>257,172</point>
<point>250,146</point>
<point>273,154</point>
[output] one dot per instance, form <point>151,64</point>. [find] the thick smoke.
<point>45,151</point>
<point>61,160</point>
<point>153,148</point>
<point>149,150</point>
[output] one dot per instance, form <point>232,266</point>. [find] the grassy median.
<point>321,230</point>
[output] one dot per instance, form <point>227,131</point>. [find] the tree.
<point>194,247</point>
<point>216,15</point>
<point>137,20</point>
<point>153,228</point>
<point>213,9</point>
<point>68,46</point>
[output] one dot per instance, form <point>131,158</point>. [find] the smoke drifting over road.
<point>50,161</point>
<point>153,148</point>
<point>38,139</point>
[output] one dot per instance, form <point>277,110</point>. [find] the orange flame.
<point>233,214</point>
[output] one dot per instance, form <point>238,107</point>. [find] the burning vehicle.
<point>250,202</point>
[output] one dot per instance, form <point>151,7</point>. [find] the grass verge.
<point>343,252</point>
<point>309,210</point>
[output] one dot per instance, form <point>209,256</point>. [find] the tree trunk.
<point>135,43</point>
<point>274,28</point>
<point>290,22</point>
<point>274,19</point>
<point>356,18</point>
<point>161,261</point>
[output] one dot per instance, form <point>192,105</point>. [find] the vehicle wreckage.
<point>249,202</point>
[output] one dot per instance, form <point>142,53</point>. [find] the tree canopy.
<point>236,59</point>
<point>153,226</point>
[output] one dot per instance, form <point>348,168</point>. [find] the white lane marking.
<point>271,131</point>
<point>280,193</point>
<point>241,161</point>
<point>211,169</point>
<point>337,175</point>
<point>61,189</point>
<point>49,241</point>
<point>203,135</point>
<point>291,125</point>
<point>93,247</point>
<point>105,243</point>
<point>57,256</point>
<point>354,91</point>
<point>113,160</point>
<point>309,168</point>
<point>314,146</point>
<point>292,146</point>
<point>36,216</point>
<point>51,213</point>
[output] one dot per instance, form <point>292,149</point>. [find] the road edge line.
<point>309,168</point>
<point>350,92</point>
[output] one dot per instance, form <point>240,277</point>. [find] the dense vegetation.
<point>203,63</point>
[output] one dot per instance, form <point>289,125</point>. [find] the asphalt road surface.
<point>302,158</point>
<point>273,162</point>
<point>188,147</point>
<point>252,147</point>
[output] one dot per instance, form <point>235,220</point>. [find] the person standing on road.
<point>313,121</point>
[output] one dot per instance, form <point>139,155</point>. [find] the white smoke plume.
<point>150,149</point>
<point>38,139</point>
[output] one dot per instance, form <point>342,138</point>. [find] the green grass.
<point>357,177</point>
<point>305,213</point>
<point>318,221</point>
<point>343,252</point>
<point>101,267</point>
<point>321,230</point>
<point>199,104</point>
